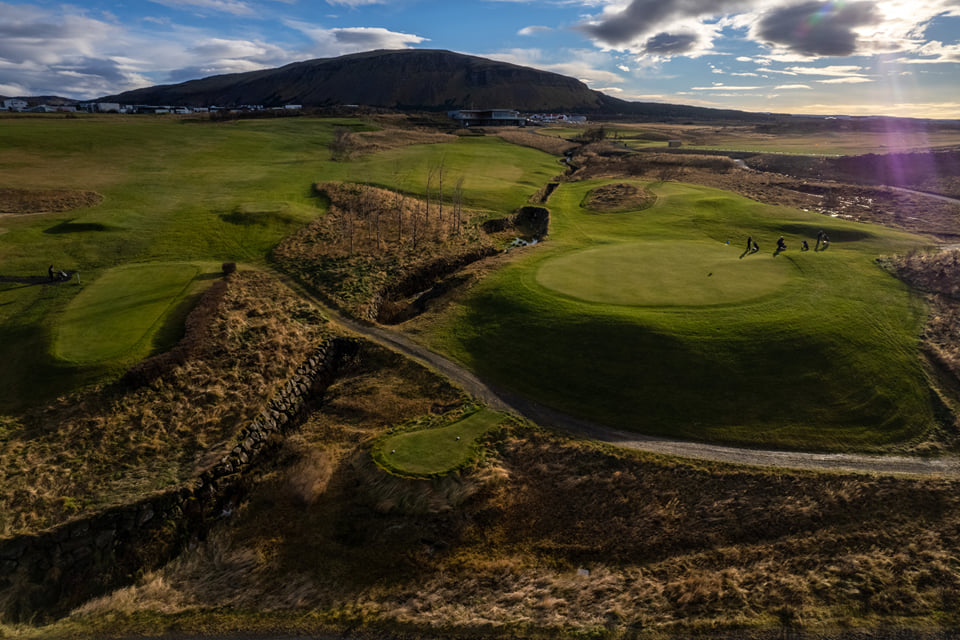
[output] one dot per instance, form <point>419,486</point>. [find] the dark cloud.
<point>818,28</point>
<point>645,16</point>
<point>670,44</point>
<point>103,68</point>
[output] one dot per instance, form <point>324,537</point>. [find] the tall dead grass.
<point>558,537</point>
<point>107,445</point>
<point>548,144</point>
<point>371,237</point>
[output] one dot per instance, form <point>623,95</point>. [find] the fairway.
<point>185,192</point>
<point>665,274</point>
<point>120,310</point>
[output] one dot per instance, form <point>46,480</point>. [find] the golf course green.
<point>659,322</point>
<point>678,273</point>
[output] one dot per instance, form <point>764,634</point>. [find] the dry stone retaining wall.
<point>48,573</point>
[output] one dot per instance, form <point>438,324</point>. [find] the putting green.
<point>111,316</point>
<point>673,273</point>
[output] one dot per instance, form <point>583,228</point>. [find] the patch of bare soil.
<point>22,201</point>
<point>613,198</point>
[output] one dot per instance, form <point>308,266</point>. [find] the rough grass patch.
<point>619,197</point>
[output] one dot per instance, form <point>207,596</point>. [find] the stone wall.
<point>46,574</point>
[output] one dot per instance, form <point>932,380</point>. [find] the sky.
<point>893,57</point>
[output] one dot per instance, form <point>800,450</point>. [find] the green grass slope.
<point>183,192</point>
<point>435,451</point>
<point>122,309</point>
<point>815,349</point>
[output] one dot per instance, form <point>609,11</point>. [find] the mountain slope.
<point>406,79</point>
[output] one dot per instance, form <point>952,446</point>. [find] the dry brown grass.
<point>547,144</point>
<point>553,537</point>
<point>619,197</point>
<point>21,201</point>
<point>880,205</point>
<point>374,141</point>
<point>937,274</point>
<point>106,445</point>
<point>372,238</point>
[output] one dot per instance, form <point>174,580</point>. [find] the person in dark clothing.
<point>781,244</point>
<point>756,247</point>
<point>804,246</point>
<point>820,236</point>
<point>51,272</point>
<point>749,243</point>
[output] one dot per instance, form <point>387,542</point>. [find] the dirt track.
<point>506,401</point>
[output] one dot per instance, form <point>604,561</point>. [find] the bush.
<point>228,268</point>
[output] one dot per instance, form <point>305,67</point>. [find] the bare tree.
<point>458,205</point>
<point>415,223</point>
<point>431,174</point>
<point>440,170</point>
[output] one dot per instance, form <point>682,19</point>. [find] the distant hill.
<point>412,79</point>
<point>53,101</point>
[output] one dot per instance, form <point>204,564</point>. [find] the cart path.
<point>503,400</point>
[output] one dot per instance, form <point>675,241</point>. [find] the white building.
<point>14,104</point>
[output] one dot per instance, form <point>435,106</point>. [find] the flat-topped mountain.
<point>411,79</point>
<point>405,79</point>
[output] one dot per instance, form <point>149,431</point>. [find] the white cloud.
<point>340,41</point>
<point>355,3</point>
<point>848,80</point>
<point>623,68</point>
<point>533,29</point>
<point>724,87</point>
<point>584,64</point>
<point>792,30</point>
<point>791,86</point>
<point>235,7</point>
<point>845,71</point>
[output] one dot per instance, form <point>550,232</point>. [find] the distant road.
<point>503,400</point>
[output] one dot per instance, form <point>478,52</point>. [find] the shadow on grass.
<point>70,226</point>
<point>172,329</point>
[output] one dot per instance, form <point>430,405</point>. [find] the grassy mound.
<point>809,350</point>
<point>620,197</point>
<point>664,274</point>
<point>120,310</point>
<point>434,452</point>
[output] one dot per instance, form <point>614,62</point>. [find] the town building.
<point>488,118</point>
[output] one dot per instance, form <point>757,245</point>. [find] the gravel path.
<point>503,400</point>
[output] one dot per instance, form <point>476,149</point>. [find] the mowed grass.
<point>822,355</point>
<point>120,310</point>
<point>186,192</point>
<point>435,452</point>
<point>675,273</point>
